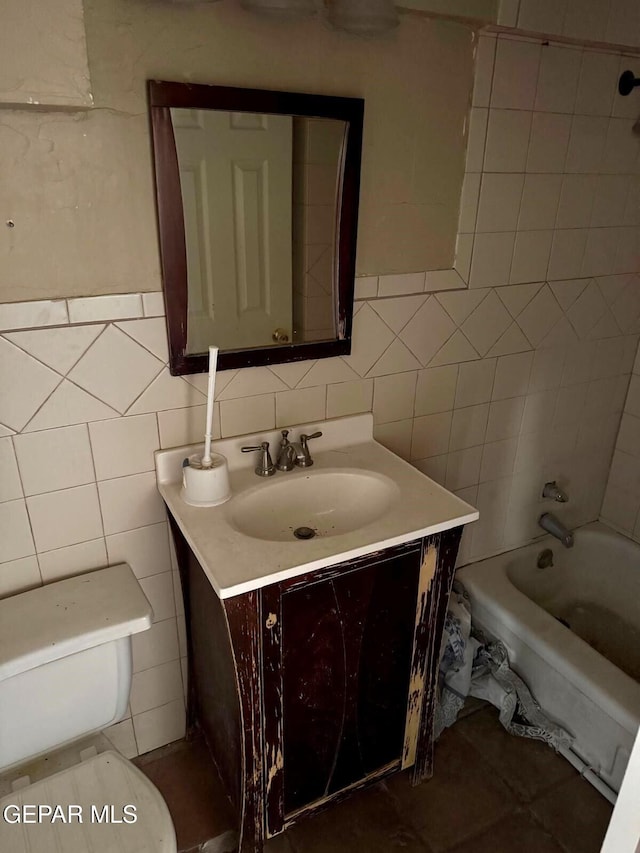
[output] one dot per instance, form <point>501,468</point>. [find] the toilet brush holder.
<point>205,485</point>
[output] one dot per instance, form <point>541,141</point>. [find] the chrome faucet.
<point>303,457</point>
<point>286,454</point>
<point>549,522</point>
<point>265,467</point>
<point>552,491</point>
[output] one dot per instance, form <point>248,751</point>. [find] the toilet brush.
<point>205,479</point>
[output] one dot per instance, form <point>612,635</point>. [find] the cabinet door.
<point>346,644</point>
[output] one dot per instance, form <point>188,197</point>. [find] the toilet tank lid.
<point>69,616</point>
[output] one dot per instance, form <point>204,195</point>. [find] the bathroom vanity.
<point>313,664</point>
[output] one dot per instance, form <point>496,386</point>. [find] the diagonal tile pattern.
<point>428,330</point>
<point>115,369</point>
<point>487,323</point>
<point>24,385</point>
<point>59,348</point>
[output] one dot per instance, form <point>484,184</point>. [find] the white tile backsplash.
<point>72,560</point>
<point>18,575</point>
<point>24,385</point>
<point>130,502</point>
<point>16,540</point>
<point>112,307</point>
<point>349,398</point>
<point>65,517</point>
<point>157,645</point>
<point>160,725</point>
<point>10,484</point>
<point>115,369</point>
<point>54,459</point>
<point>145,549</point>
<point>28,315</point>
<point>124,445</point>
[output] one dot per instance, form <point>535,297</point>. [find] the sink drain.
<point>304,533</point>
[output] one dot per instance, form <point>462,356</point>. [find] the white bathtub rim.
<point>616,693</point>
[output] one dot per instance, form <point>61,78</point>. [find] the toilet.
<point>65,673</point>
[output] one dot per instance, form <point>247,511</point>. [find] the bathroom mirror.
<point>257,200</point>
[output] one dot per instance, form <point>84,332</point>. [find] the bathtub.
<point>592,589</point>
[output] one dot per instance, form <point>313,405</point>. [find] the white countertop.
<point>236,563</point>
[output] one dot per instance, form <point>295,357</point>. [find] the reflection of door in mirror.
<point>236,180</point>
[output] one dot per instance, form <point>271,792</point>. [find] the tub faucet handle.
<point>552,491</point>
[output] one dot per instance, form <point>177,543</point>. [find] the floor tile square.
<point>575,814</point>
<point>517,831</point>
<point>461,799</point>
<point>366,821</point>
<point>527,766</point>
<point>187,778</point>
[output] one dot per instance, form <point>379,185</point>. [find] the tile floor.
<point>491,793</point>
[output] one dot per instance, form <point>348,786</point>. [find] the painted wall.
<point>44,60</point>
<point>80,186</point>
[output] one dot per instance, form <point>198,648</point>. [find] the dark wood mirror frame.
<point>162,97</point>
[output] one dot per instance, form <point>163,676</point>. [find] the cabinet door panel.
<point>386,662</point>
<point>313,694</point>
<point>346,653</point>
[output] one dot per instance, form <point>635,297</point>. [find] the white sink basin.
<point>357,498</point>
<point>325,502</point>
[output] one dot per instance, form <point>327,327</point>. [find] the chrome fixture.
<point>627,82</point>
<point>286,460</point>
<point>303,457</point>
<point>552,491</point>
<point>265,467</point>
<point>549,522</point>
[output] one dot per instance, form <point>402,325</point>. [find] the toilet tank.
<point>65,660</point>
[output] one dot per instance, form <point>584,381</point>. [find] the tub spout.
<point>555,527</point>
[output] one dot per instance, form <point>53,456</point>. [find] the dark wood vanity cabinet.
<point>311,687</point>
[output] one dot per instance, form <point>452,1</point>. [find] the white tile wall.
<point>490,390</point>
<point>614,21</point>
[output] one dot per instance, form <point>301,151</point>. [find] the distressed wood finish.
<point>317,686</point>
<point>341,660</point>
<point>243,614</point>
<point>273,746</point>
<point>447,544</point>
<point>420,642</point>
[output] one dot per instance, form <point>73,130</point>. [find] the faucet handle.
<point>264,468</point>
<point>303,459</point>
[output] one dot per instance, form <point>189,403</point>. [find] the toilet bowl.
<point>65,673</point>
